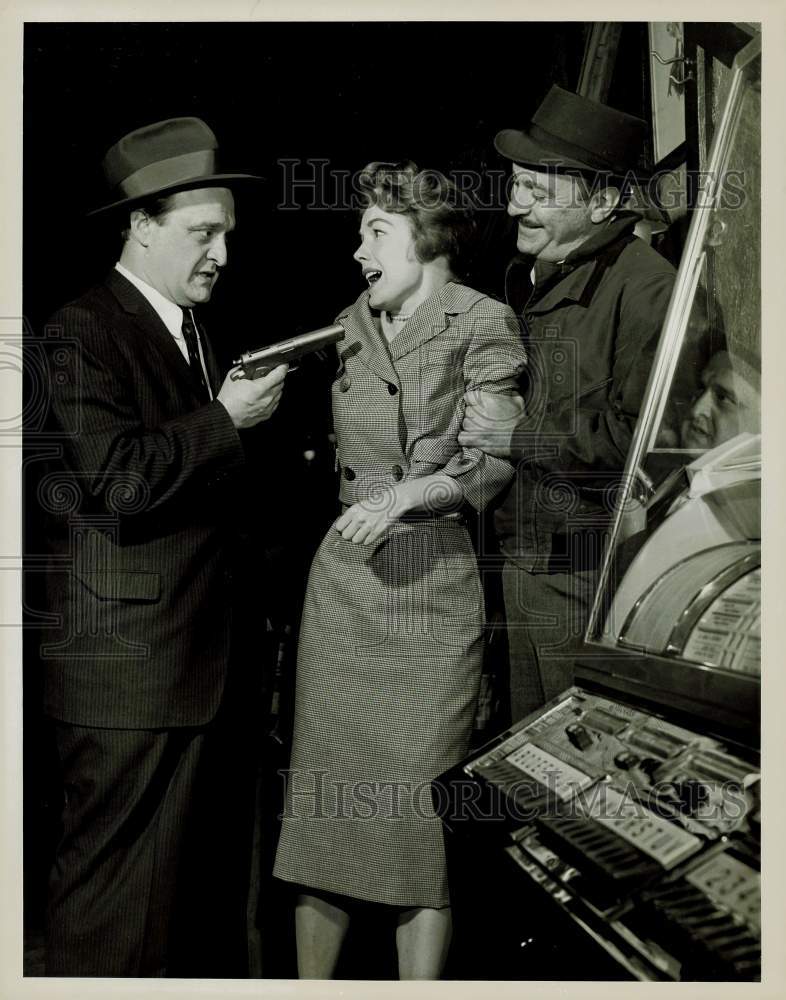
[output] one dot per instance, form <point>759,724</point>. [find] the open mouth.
<point>372,276</point>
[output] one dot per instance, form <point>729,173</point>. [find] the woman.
<point>390,648</point>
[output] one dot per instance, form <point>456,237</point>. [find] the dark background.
<point>347,93</point>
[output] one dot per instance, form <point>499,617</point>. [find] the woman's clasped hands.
<point>365,522</point>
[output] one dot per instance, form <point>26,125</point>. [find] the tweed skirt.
<point>389,664</point>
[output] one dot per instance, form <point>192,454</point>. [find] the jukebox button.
<point>578,736</point>
<point>625,760</point>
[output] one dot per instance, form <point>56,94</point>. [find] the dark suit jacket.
<point>140,529</point>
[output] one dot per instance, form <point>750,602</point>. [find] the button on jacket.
<point>411,391</point>
<point>592,327</point>
<point>140,551</point>
<point>390,649</point>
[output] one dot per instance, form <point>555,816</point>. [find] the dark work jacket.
<point>593,324</point>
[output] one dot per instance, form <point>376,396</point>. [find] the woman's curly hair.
<point>442,216</point>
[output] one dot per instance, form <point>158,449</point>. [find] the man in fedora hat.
<point>141,682</point>
<point>593,298</point>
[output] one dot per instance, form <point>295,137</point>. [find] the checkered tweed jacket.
<point>406,397</point>
<point>390,649</point>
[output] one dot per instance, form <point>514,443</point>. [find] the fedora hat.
<point>162,158</point>
<point>573,134</point>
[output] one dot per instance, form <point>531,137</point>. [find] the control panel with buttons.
<point>650,826</point>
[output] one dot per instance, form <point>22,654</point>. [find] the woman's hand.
<point>366,522</point>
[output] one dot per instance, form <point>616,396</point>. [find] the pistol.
<point>256,363</point>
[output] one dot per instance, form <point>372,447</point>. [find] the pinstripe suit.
<point>390,647</point>
<point>136,674</point>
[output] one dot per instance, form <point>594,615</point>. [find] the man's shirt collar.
<point>171,314</point>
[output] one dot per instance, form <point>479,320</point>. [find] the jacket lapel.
<point>366,342</point>
<point>158,336</point>
<point>570,287</point>
<point>570,281</point>
<point>432,317</point>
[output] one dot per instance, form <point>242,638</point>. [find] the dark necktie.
<point>192,345</point>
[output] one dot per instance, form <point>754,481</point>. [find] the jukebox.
<point>616,831</point>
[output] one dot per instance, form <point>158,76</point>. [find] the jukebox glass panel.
<point>681,579</point>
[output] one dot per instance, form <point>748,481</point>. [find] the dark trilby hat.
<point>162,158</point>
<point>573,134</point>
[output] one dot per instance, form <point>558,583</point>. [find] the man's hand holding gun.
<point>252,389</point>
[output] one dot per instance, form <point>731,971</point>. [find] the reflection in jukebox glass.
<point>682,578</point>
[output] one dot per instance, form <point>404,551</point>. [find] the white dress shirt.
<point>171,316</point>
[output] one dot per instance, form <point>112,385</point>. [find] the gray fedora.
<point>162,158</point>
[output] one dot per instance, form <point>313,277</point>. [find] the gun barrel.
<point>296,346</point>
